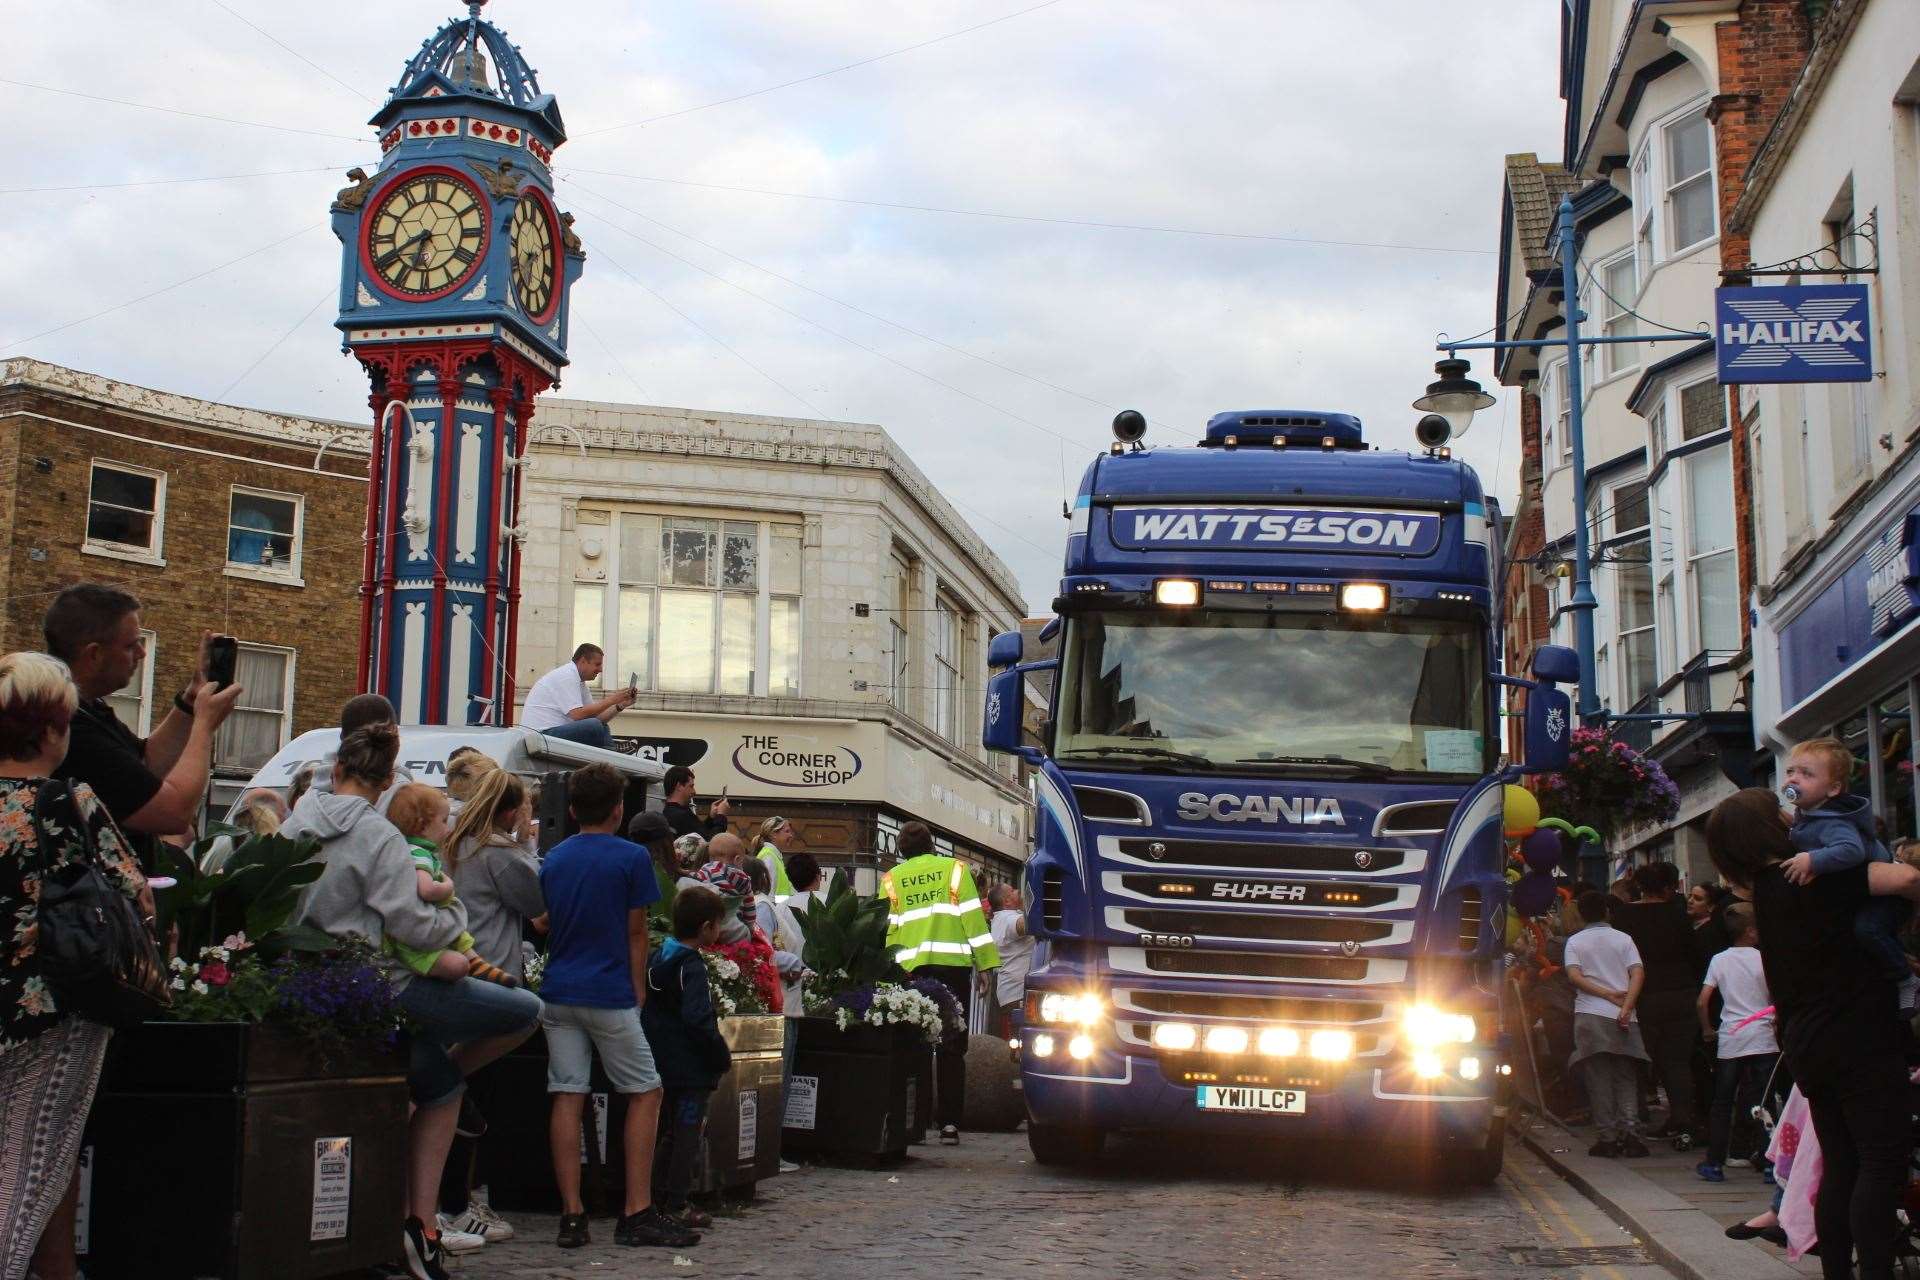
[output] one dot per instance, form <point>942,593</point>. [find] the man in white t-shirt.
<point>1604,966</point>
<point>558,705</point>
<point>1016,956</point>
<point>1747,1049</point>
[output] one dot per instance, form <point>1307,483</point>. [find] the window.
<point>1710,554</point>
<point>1852,425</point>
<point>1617,285</point>
<point>1689,156</point>
<point>134,704</point>
<point>126,509</point>
<point>262,720</point>
<point>693,610</point>
<point>1665,614</point>
<point>948,632</point>
<point>900,613</point>
<point>1893,722</point>
<point>1633,607</point>
<point>263,532</point>
<point>1557,407</point>
<point>1656,435</point>
<point>1643,207</point>
<point>1757,493</point>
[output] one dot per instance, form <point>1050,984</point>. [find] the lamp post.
<point>1583,603</point>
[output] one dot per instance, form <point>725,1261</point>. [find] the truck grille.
<point>1469,919</point>
<point>1259,893</point>
<point>1262,857</point>
<point>1242,965</point>
<point>1052,912</point>
<point>1188,1004</point>
<point>1262,927</point>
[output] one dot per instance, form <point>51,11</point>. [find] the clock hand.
<point>399,249</point>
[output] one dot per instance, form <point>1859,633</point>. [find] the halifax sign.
<point>1793,333</point>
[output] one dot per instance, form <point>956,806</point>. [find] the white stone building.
<point>1835,190</point>
<point>1640,170</point>
<point>806,617</point>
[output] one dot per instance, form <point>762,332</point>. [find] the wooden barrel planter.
<point>742,1138</point>
<point>864,1093</point>
<point>242,1152</point>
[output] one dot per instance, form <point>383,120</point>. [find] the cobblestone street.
<point>985,1209</point>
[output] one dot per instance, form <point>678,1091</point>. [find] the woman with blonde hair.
<point>50,1059</point>
<point>465,767</point>
<point>777,839</point>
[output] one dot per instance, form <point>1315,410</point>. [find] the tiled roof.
<point>1535,190</point>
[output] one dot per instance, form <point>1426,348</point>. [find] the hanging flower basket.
<point>1608,786</point>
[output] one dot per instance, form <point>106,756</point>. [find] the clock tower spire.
<point>455,274</point>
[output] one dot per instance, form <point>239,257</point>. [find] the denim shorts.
<point>448,1013</point>
<point>575,1031</point>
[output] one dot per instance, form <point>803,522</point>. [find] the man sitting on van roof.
<point>559,707</point>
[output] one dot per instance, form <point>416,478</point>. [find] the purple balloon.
<point>1541,850</point>
<point>1533,895</point>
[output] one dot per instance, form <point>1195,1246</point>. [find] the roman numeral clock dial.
<point>426,236</point>
<point>536,265</point>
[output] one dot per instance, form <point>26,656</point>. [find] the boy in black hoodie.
<point>684,1032</point>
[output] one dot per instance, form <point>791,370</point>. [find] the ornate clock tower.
<point>454,279</point>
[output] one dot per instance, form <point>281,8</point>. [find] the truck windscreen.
<point>1254,693</point>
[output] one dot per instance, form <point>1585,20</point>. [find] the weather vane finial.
<point>474,7</point>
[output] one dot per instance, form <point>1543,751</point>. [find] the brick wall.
<point>1760,58</point>
<point>46,452</point>
<point>1527,623</point>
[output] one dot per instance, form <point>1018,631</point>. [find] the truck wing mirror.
<point>1004,650</point>
<point>1556,664</point>
<point>1000,727</point>
<point>1549,736</point>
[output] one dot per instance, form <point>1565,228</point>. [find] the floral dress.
<point>26,1005</point>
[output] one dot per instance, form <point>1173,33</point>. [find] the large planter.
<point>237,1151</point>
<point>864,1092</point>
<point>742,1138</point>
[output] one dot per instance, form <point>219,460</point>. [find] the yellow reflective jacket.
<point>936,916</point>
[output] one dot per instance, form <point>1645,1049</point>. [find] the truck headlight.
<point>1330,1046</point>
<point>1427,1027</point>
<point>1174,1035</point>
<point>1226,1040</point>
<point>1071,1010</point>
<point>1279,1042</point>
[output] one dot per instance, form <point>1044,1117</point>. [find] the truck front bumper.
<point>1381,1100</point>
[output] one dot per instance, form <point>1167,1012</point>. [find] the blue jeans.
<point>589,732</point>
<point>445,1014</point>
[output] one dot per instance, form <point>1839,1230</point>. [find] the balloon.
<point>1523,812</point>
<point>1585,835</point>
<point>1513,928</point>
<point>1542,850</point>
<point>1534,895</point>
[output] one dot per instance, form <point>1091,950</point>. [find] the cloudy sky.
<point>187,248</point>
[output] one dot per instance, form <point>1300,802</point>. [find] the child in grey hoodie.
<point>1834,832</point>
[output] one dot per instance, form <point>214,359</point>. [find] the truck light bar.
<point>1363,597</point>
<point>1176,592</point>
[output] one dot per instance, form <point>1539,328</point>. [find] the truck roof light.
<point>1179,592</point>
<point>1363,597</point>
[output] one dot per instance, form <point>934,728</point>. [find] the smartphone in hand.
<point>633,683</point>
<point>223,655</point>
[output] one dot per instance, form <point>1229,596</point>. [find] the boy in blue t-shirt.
<point>598,888</point>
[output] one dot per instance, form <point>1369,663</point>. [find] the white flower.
<point>726,968</point>
<point>199,988</point>
<point>177,965</point>
<point>178,984</point>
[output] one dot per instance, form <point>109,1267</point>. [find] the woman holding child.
<point>1837,1014</point>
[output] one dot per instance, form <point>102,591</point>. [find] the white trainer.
<point>456,1239</point>
<point>480,1209</point>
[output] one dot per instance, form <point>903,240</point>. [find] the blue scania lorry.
<point>1267,883</point>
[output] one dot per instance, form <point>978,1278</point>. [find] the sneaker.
<point>1633,1149</point>
<point>422,1254</point>
<point>950,1135</point>
<point>1738,1162</point>
<point>1710,1172</point>
<point>470,1124</point>
<point>788,1166</point>
<point>573,1231</point>
<point>480,1209</point>
<point>1605,1149</point>
<point>651,1227</point>
<point>457,1239</point>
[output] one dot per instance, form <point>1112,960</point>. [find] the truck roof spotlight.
<point>1178,592</point>
<point>1363,597</point>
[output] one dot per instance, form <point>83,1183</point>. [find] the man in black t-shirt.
<point>152,787</point>
<point>677,806</point>
<point>1658,925</point>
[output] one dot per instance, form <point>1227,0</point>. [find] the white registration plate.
<point>1273,1102</point>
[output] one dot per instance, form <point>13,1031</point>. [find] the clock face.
<point>426,235</point>
<point>536,264</point>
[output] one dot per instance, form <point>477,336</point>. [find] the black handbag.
<point>99,958</point>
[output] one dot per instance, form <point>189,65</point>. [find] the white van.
<point>424,749</point>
